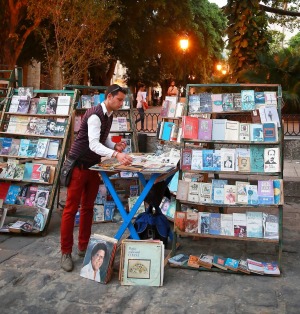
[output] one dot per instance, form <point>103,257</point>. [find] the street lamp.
<point>184,44</point>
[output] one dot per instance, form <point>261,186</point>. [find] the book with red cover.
<point>186,159</point>
<point>4,187</point>
<point>190,127</point>
<point>36,172</point>
<point>205,129</point>
<point>180,221</point>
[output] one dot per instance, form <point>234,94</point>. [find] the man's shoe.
<point>66,262</point>
<point>81,253</point>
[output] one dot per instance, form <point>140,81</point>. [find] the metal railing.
<point>291,122</point>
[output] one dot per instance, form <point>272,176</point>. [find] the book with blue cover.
<point>270,132</point>
<point>12,194</point>
<point>218,190</point>
<point>254,224</point>
<point>232,263</point>
<point>194,104</point>
<point>205,102</point>
<point>251,190</point>
<point>6,145</point>
<point>207,159</point>
<point>24,145</point>
<point>257,158</point>
<point>109,209</point>
<point>259,98</point>
<point>28,171</point>
<point>166,133</point>
<point>179,259</point>
<point>248,99</point>
<point>227,99</point>
<point>256,132</point>
<point>215,223</point>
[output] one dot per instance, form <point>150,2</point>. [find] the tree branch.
<point>278,11</point>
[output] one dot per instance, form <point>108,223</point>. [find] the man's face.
<point>41,201</point>
<point>271,155</point>
<point>97,259</point>
<point>52,126</point>
<point>115,102</point>
<point>43,108</point>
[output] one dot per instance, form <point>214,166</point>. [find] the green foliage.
<point>247,35</point>
<point>294,42</point>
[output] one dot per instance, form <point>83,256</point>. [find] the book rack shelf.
<point>212,158</point>
<point>33,147</point>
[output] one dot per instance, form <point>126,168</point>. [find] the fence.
<point>291,122</point>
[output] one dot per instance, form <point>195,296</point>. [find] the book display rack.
<point>34,132</point>
<point>241,198</point>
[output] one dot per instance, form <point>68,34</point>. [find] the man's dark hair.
<point>50,121</point>
<point>42,194</point>
<point>114,89</point>
<point>97,247</point>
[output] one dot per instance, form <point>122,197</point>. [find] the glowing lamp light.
<point>219,67</point>
<point>184,44</point>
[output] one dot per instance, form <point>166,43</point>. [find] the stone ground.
<point>31,280</point>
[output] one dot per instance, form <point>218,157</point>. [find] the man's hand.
<point>120,146</point>
<point>124,159</point>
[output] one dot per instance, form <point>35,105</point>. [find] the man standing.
<point>172,90</point>
<point>93,141</point>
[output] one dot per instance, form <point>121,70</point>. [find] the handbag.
<point>145,105</point>
<point>66,172</point>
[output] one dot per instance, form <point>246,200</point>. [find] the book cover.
<point>270,98</point>
<point>229,194</point>
<point>239,224</point>
<point>27,171</point>
<point>174,133</point>
<point>190,127</point>
<point>24,145</point>
<point>218,190</point>
<point>228,159</point>
<point>232,130</point>
<point>41,198</point>
<point>4,187</point>
<point>248,101</point>
<point>191,223</point>
<point>12,194</point>
<point>41,126</point>
<point>203,222</point>
<point>42,104</point>
<point>270,226</point>
<point>242,159</point>
<point>193,261</point>
<point>243,266</point>
<point>180,108</point>
<point>167,128</point>
<point>3,212</point>
<point>255,266</point>
<point>179,221</point>
<point>251,190</point>
<point>33,105</point>
<point>194,104</point>
<point>21,197</point>
<point>205,192</point>
<point>53,149</point>
<point>182,190</point>
<point>269,114</point>
<point>19,172</point>
<point>178,259</point>
<point>256,132</point>
<point>131,202</point>
<point>227,225</point>
<point>14,104</point>
<point>42,147</point>
<point>205,102</point>
<point>271,159</point>
<point>22,123</point>
<point>15,146</point>
<point>51,105</point>
<point>254,224</point>
<point>186,159</point>
<point>259,98</point>
<point>196,159</point>
<point>265,192</point>
<point>278,191</point>
<point>30,196</point>
<point>142,264</point>
<point>241,192</point>
<point>63,105</point>
<point>23,106</point>
<point>227,99</point>
<point>25,91</point>
<point>206,260</point>
<point>217,103</point>
<point>171,210</point>
<point>271,268</point>
<point>257,158</point>
<point>219,262</point>
<point>218,129</point>
<point>60,127</point>
<point>215,223</point>
<point>237,101</point>
<point>270,132</point>
<point>172,109</point>
<point>99,258</point>
<point>36,172</point>
<point>217,160</point>
<point>244,132</point>
<point>194,189</point>
<point>164,109</point>
<point>98,213</point>
<point>205,129</point>
<point>232,264</point>
<point>109,209</point>
<point>208,159</point>
<point>31,151</point>
<point>6,146</point>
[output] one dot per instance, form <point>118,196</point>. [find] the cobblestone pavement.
<point>31,280</point>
